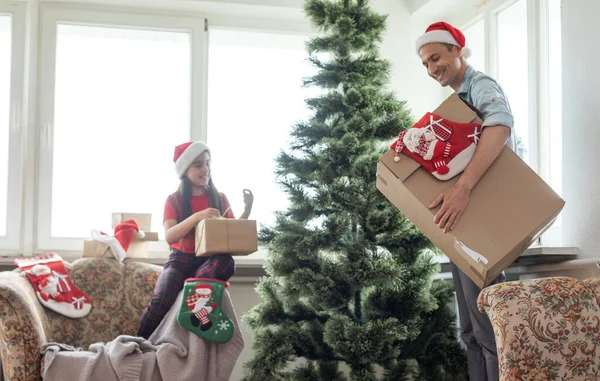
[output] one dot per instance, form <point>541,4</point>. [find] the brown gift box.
<point>143,220</point>
<point>150,236</point>
<point>226,236</point>
<point>509,208</point>
<point>96,249</point>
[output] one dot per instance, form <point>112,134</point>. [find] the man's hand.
<point>454,202</point>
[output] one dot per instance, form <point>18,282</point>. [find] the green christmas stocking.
<point>201,312</point>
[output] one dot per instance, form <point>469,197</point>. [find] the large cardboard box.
<point>226,235</point>
<point>508,210</point>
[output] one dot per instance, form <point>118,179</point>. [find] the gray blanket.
<point>171,353</point>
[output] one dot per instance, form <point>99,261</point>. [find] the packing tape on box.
<point>458,245</point>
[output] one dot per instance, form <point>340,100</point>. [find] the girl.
<point>196,199</point>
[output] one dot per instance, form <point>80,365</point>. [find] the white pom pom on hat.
<point>445,33</point>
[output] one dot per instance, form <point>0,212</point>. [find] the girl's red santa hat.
<point>442,32</point>
<point>186,153</point>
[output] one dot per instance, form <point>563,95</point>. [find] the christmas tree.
<point>349,292</point>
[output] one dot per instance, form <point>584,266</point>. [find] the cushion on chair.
<point>546,329</point>
<point>119,293</point>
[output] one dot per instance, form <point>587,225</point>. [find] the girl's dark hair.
<point>185,194</point>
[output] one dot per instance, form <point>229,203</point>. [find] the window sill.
<point>249,269</point>
<point>535,255</point>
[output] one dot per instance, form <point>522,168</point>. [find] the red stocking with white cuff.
<point>53,286</point>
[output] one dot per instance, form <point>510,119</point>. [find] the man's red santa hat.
<point>186,153</point>
<point>444,33</point>
<point>124,233</point>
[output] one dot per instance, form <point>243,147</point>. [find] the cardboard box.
<point>96,249</point>
<point>144,220</point>
<point>508,210</point>
<point>150,236</point>
<point>226,235</point>
<point>138,249</point>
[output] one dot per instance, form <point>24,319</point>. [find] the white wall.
<point>581,129</point>
<point>243,297</point>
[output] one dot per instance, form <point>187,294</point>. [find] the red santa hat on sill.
<point>445,33</point>
<point>124,233</point>
<point>186,153</point>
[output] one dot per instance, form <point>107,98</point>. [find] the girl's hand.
<point>207,213</point>
<point>248,200</point>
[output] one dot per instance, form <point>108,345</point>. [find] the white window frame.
<point>538,57</point>
<point>12,239</point>
<point>50,16</point>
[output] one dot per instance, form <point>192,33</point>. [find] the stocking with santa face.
<point>53,287</point>
<point>441,146</point>
<point>201,312</point>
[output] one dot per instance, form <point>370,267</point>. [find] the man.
<point>442,51</point>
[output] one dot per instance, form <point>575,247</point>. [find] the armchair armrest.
<point>24,328</point>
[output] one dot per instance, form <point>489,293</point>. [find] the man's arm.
<point>491,142</point>
<point>454,200</point>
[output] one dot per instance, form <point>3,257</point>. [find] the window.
<point>5,51</point>
<point>115,104</point>
<point>475,36</point>
<point>92,104</point>
<point>523,40</point>
<point>551,135</point>
<point>555,95</point>
<point>113,92</point>
<point>12,47</point>
<point>513,73</point>
<point>252,104</point>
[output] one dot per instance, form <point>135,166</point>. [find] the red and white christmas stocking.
<point>441,146</point>
<point>53,287</point>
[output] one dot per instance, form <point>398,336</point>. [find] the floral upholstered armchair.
<point>119,292</point>
<point>546,329</point>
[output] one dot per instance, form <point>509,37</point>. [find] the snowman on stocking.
<point>53,287</point>
<point>198,304</point>
<point>441,146</point>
